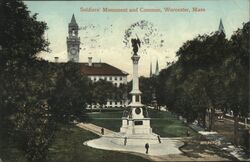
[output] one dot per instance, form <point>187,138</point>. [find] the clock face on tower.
<point>73,51</point>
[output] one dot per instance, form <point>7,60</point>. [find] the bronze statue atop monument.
<point>135,44</point>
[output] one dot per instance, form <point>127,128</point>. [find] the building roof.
<point>73,21</point>
<point>221,27</point>
<point>100,69</point>
<point>151,73</point>
<point>157,68</point>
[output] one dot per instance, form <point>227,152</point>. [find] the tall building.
<point>73,41</point>
<point>221,28</point>
<point>157,68</point>
<point>151,73</point>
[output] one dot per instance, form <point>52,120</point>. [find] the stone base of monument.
<point>137,130</point>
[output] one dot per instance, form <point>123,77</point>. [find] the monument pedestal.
<point>136,126</point>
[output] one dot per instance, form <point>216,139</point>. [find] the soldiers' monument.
<point>135,121</point>
<point>135,132</point>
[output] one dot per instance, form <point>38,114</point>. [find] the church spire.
<point>221,28</point>
<point>157,68</point>
<point>150,75</point>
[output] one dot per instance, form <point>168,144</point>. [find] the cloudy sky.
<point>102,33</point>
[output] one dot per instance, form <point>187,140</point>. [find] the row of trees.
<point>211,73</point>
<point>147,87</point>
<point>102,91</point>
<point>35,95</point>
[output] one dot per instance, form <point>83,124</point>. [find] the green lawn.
<point>110,120</point>
<point>68,147</point>
<point>163,123</point>
<point>9,151</point>
<point>166,125</point>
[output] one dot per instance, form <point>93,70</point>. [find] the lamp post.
<point>210,118</point>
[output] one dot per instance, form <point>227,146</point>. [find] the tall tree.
<point>237,74</point>
<point>21,34</point>
<point>70,95</point>
<point>195,74</point>
<point>102,91</point>
<point>24,87</point>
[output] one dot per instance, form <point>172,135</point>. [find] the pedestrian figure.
<point>147,147</point>
<point>159,139</point>
<point>125,141</point>
<point>188,134</point>
<point>102,130</point>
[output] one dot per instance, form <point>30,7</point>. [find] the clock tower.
<point>73,41</point>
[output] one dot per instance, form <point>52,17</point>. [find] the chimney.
<point>56,59</point>
<point>90,61</point>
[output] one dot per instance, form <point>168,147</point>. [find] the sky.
<point>102,33</point>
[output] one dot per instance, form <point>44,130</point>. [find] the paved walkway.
<point>114,141</point>
<point>168,150</point>
<point>95,129</point>
<point>110,143</point>
<point>240,123</point>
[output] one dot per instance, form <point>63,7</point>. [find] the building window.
<point>110,78</point>
<point>105,78</point>
<point>115,103</point>
<point>115,78</point>
<point>94,78</point>
<point>120,78</point>
<point>116,84</point>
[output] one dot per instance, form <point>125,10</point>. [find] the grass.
<point>67,147</point>
<point>9,151</point>
<point>110,120</point>
<point>163,123</point>
<point>167,125</point>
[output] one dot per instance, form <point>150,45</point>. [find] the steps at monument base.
<point>136,139</point>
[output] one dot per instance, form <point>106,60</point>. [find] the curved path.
<point>168,150</point>
<point>95,129</point>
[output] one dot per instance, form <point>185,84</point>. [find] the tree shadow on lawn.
<point>196,146</point>
<point>68,147</point>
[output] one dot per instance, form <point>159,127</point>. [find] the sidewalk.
<point>96,129</point>
<point>168,150</point>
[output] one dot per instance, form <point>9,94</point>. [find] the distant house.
<point>104,71</point>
